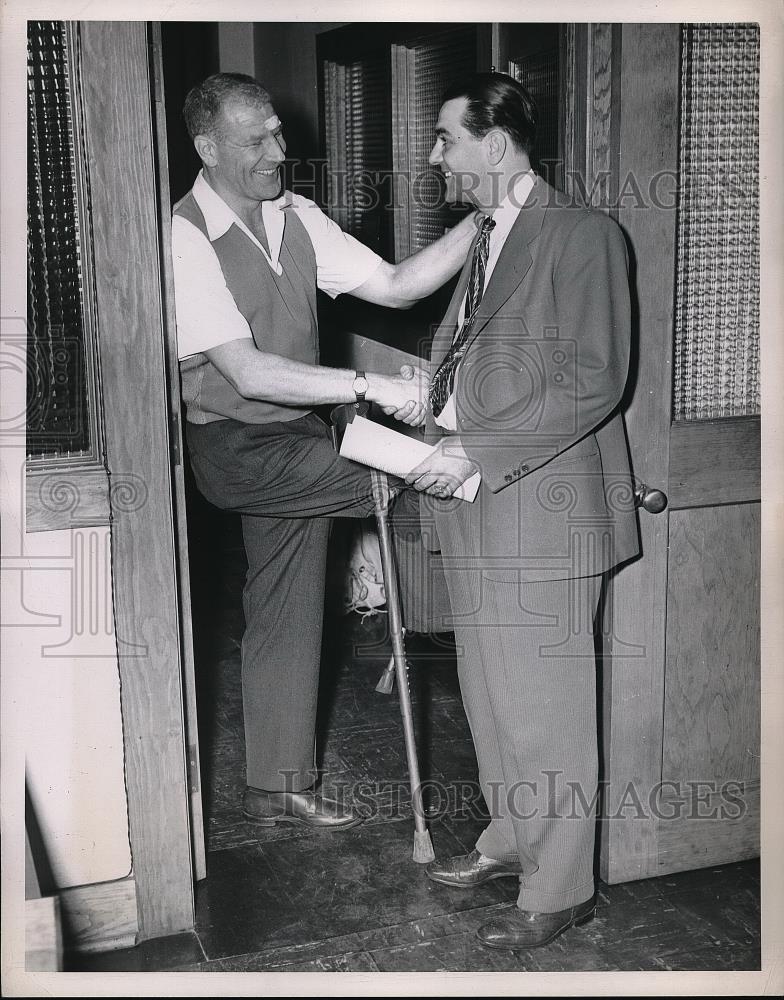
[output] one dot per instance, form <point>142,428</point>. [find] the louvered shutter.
<point>538,73</point>
<point>357,114</point>
<point>421,72</point>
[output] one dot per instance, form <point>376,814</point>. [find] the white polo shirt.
<point>207,315</point>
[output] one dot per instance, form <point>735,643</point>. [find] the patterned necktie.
<point>443,381</point>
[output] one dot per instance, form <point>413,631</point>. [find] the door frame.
<point>646,65</point>
<point>133,356</point>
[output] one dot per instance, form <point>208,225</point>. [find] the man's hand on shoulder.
<point>401,285</point>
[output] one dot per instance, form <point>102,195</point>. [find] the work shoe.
<point>309,809</point>
<point>527,929</point>
<point>468,870</point>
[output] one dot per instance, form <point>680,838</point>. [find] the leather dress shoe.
<point>304,808</point>
<point>528,929</point>
<point>468,870</point>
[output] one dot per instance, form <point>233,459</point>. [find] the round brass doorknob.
<point>654,501</point>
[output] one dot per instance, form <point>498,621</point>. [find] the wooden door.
<point>680,685</point>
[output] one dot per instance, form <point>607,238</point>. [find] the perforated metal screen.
<point>57,416</point>
<point>717,323</point>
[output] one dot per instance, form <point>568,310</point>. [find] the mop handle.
<point>381,495</point>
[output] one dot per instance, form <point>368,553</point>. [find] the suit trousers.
<point>286,481</point>
<point>527,672</point>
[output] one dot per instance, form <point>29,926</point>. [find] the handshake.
<point>402,396</point>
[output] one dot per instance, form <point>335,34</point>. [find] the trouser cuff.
<point>541,901</point>
<point>283,781</point>
<point>493,845</point>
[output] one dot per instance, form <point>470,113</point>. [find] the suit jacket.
<point>537,400</point>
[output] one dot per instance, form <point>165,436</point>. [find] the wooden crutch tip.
<point>423,848</point>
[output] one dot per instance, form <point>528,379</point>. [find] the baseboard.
<point>43,939</point>
<point>100,917</point>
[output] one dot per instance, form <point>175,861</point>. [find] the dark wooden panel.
<point>117,97</point>
<point>70,498</point>
<point>714,462</point>
<point>634,677</point>
<point>573,96</point>
<point>372,356</point>
<point>712,676</point>
<point>602,167</point>
<point>591,85</point>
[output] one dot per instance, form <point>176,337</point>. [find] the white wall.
<point>60,657</point>
<point>60,679</point>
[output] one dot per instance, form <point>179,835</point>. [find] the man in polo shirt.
<point>248,259</point>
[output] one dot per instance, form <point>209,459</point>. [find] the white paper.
<point>382,448</point>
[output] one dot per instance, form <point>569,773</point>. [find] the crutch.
<point>382,495</point>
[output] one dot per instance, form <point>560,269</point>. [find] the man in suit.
<point>528,369</point>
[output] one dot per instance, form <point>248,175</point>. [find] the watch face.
<point>360,386</point>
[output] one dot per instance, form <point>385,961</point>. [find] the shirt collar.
<point>219,217</point>
<point>217,214</point>
<point>516,196</point>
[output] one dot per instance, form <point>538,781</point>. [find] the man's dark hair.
<point>204,103</point>
<point>495,100</point>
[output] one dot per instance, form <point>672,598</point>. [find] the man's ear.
<point>207,150</point>
<point>496,142</point>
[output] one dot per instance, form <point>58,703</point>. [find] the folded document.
<point>382,448</point>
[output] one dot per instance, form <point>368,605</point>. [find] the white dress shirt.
<point>504,217</point>
<point>207,314</point>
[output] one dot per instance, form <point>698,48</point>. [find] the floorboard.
<point>285,899</point>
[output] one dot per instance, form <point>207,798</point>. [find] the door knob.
<point>654,501</point>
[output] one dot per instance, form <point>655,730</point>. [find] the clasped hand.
<point>405,396</point>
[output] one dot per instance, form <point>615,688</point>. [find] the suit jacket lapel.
<point>510,269</point>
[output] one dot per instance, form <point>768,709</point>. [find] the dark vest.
<point>280,310</point>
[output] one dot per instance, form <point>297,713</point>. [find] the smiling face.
<point>243,162</point>
<point>461,157</point>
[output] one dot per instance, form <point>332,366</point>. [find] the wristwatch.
<point>360,386</point>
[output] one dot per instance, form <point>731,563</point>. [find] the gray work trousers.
<point>286,481</point>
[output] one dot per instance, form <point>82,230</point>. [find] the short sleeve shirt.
<point>207,315</point>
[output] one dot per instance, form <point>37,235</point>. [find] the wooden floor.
<point>287,900</point>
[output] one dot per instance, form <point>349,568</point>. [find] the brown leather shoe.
<point>527,929</point>
<point>468,870</point>
<point>304,808</point>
